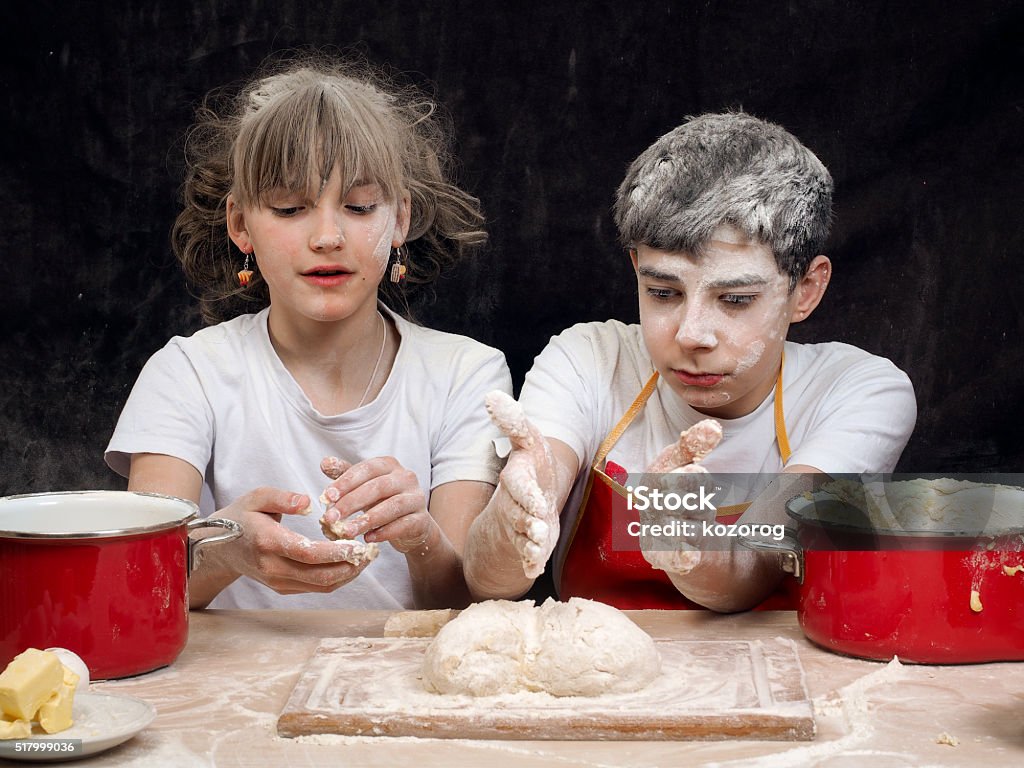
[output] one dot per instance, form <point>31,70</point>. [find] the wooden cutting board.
<point>708,690</point>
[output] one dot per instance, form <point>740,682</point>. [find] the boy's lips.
<point>698,379</point>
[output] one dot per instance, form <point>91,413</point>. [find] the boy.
<point>725,219</point>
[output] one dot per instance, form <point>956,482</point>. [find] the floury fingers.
<point>533,515</point>
<point>693,446</point>
<point>508,416</point>
<point>350,550</point>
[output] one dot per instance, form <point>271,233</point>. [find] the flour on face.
<point>715,322</point>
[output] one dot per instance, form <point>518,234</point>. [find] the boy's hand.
<point>681,459</point>
<point>529,516</point>
<point>692,448</point>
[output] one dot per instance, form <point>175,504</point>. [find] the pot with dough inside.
<point>930,570</point>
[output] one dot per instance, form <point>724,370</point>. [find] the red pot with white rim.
<point>101,573</point>
<point>929,584</point>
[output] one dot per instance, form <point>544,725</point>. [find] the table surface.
<point>218,705</point>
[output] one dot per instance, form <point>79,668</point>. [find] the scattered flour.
<point>850,703</point>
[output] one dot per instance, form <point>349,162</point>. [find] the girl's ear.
<point>811,288</point>
<point>403,216</point>
<point>237,230</point>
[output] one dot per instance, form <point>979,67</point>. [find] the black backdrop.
<point>917,109</point>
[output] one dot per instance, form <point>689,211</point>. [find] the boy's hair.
<point>733,169</point>
<point>289,128</point>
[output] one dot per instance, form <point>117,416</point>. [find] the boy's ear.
<point>811,288</point>
<point>237,230</point>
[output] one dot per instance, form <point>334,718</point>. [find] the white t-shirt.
<point>846,410</point>
<point>223,401</point>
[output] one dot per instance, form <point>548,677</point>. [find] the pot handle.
<point>788,548</point>
<point>234,530</point>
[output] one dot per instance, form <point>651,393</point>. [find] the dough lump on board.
<point>577,648</point>
<point>417,623</point>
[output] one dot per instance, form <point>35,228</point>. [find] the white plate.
<point>102,721</point>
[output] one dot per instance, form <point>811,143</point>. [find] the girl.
<point>314,190</point>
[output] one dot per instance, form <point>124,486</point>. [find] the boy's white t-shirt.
<point>846,410</point>
<point>222,400</point>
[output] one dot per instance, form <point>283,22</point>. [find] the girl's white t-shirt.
<point>223,401</point>
<point>846,410</point>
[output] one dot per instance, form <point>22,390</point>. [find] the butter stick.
<point>55,713</point>
<point>29,680</point>
<point>14,729</point>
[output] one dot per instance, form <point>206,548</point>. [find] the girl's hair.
<point>729,168</point>
<point>289,129</point>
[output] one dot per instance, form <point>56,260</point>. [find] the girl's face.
<point>715,325</point>
<point>321,259</point>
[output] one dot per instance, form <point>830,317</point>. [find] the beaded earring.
<point>245,274</point>
<point>398,268</point>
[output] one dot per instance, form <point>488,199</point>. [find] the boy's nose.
<point>695,330</point>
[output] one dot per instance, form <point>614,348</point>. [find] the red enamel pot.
<point>928,593</point>
<point>102,573</point>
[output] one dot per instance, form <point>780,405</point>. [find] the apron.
<point>593,568</point>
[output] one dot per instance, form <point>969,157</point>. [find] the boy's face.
<point>715,325</point>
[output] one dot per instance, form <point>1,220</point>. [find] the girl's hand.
<point>380,500</point>
<point>528,514</point>
<point>682,473</point>
<point>285,561</point>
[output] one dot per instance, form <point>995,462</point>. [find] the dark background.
<point>915,108</point>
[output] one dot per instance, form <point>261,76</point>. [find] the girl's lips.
<point>326,277</point>
<point>698,379</point>
<point>328,281</point>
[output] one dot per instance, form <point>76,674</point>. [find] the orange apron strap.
<point>597,466</point>
<point>780,418</point>
<point>626,420</point>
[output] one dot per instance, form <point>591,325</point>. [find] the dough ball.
<point>480,652</point>
<point>578,648</point>
<point>588,648</point>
